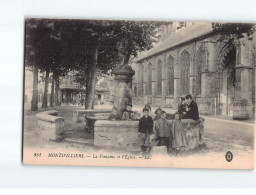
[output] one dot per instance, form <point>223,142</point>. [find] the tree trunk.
<point>91,83</point>
<point>57,88</point>
<point>45,98</point>
<point>34,101</point>
<point>52,94</point>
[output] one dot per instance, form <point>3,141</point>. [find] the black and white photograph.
<point>135,93</point>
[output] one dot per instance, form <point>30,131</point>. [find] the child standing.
<point>177,133</point>
<point>149,108</point>
<point>158,114</point>
<point>163,130</point>
<point>145,130</point>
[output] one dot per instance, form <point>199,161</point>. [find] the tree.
<point>47,60</point>
<point>90,47</point>
<point>232,32</point>
<point>113,43</point>
<point>35,31</point>
<point>53,50</point>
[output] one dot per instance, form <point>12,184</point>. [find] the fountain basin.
<point>91,119</point>
<point>124,134</point>
<point>121,135</point>
<point>79,115</point>
<point>50,125</point>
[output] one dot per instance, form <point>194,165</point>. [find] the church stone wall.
<point>204,78</point>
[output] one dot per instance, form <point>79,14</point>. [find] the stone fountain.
<point>123,135</point>
<point>119,134</point>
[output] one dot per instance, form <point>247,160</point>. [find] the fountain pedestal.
<point>121,135</point>
<point>122,87</point>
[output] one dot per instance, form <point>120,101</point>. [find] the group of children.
<point>155,127</point>
<point>166,133</point>
<point>128,114</point>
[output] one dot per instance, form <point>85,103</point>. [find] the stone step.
<point>80,141</point>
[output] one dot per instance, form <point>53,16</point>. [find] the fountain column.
<point>122,87</point>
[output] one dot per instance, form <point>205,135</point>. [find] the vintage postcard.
<point>139,93</point>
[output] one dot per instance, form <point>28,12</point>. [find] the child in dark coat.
<point>149,108</point>
<point>145,130</point>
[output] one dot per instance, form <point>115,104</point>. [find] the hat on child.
<point>163,112</point>
<point>145,109</point>
<point>147,106</point>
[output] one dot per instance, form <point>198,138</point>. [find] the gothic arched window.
<point>185,63</point>
<point>149,81</point>
<point>159,77</point>
<point>170,75</point>
<point>200,67</point>
<point>140,80</point>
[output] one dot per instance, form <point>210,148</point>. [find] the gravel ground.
<point>219,136</point>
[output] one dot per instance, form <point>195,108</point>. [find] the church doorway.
<point>227,82</point>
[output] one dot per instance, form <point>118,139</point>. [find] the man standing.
<point>191,109</point>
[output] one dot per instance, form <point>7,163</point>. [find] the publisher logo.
<point>229,156</point>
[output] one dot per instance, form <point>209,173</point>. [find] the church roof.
<point>180,37</point>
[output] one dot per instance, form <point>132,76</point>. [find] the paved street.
<point>220,135</point>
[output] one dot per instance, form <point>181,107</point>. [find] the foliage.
<point>65,45</point>
<point>36,30</point>
<point>231,32</point>
<point>233,28</point>
<point>113,38</point>
<point>60,46</point>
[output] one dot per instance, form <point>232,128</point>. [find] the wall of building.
<point>204,68</point>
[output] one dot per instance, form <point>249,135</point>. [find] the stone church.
<point>190,59</point>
